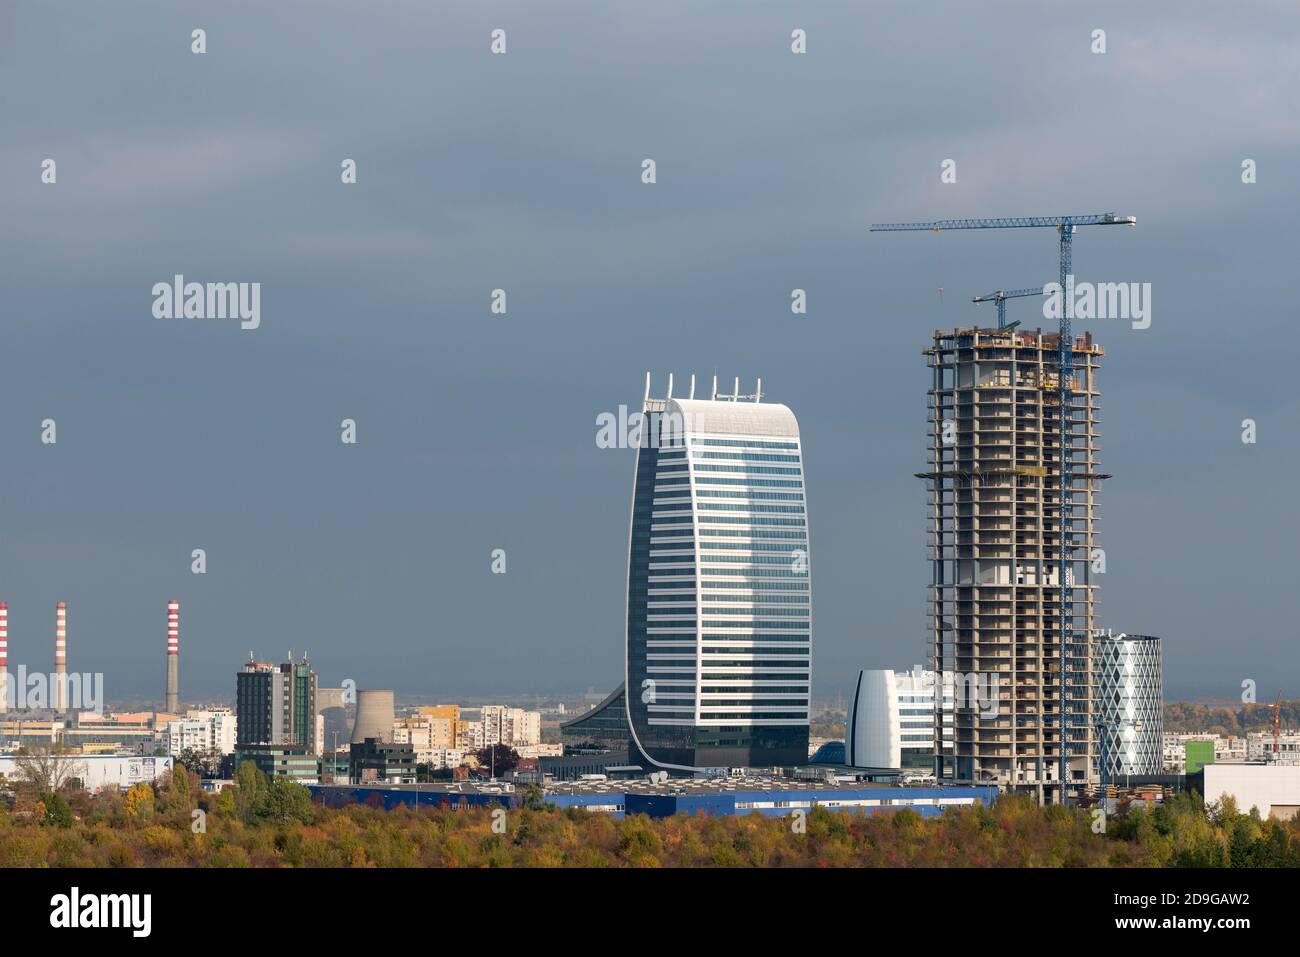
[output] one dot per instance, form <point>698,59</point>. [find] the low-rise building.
<point>1272,788</point>
<point>204,731</point>
<point>382,762</point>
<point>99,771</point>
<point>296,762</point>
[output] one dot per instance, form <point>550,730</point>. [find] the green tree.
<point>58,813</point>
<point>251,787</point>
<point>180,793</point>
<point>287,801</point>
<point>193,761</point>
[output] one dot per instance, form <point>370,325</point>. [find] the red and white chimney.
<point>4,657</point>
<point>172,702</point>
<point>61,656</point>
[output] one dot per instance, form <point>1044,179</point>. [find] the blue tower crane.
<point>1001,297</point>
<point>1065,226</point>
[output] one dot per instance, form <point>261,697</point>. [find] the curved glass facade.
<point>719,624</point>
<point>1130,703</point>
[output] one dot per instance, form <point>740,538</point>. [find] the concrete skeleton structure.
<point>995,547</point>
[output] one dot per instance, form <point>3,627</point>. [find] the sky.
<point>522,171</point>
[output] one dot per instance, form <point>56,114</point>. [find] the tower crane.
<point>1001,297</point>
<point>1277,715</point>
<point>1065,227</point>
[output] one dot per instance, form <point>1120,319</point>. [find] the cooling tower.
<point>375,716</point>
<point>172,702</point>
<point>61,656</point>
<point>4,657</point>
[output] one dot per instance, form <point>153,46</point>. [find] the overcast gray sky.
<point>522,172</point>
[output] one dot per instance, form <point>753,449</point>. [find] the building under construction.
<point>995,546</point>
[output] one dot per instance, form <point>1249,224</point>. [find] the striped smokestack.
<point>61,656</point>
<point>172,704</point>
<point>4,657</point>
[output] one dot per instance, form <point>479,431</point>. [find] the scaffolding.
<point>995,547</point>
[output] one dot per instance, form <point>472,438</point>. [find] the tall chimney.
<point>61,656</point>
<point>172,704</point>
<point>4,657</point>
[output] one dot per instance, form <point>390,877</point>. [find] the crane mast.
<point>1065,226</point>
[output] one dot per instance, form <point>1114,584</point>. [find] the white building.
<point>540,750</point>
<point>891,723</point>
<point>1259,747</point>
<point>513,727</point>
<point>442,758</point>
<point>98,771</point>
<point>1127,681</point>
<point>206,731</point>
<point>1273,788</point>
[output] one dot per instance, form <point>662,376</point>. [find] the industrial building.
<point>1274,789</point>
<point>1128,704</point>
<point>769,796</point>
<point>99,771</point>
<point>995,544</point>
<point>719,624</point>
<point>376,714</point>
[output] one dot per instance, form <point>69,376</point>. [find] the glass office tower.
<point>719,623</point>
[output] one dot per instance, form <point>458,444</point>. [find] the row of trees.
<point>1185,716</point>
<point>262,823</point>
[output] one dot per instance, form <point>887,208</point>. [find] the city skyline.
<point>476,431</point>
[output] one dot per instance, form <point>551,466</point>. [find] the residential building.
<point>204,731</point>
<point>425,733</point>
<point>513,727</point>
<point>451,712</point>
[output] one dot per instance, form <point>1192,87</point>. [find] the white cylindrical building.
<point>1128,708</point>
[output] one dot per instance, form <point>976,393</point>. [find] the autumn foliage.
<point>273,825</point>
